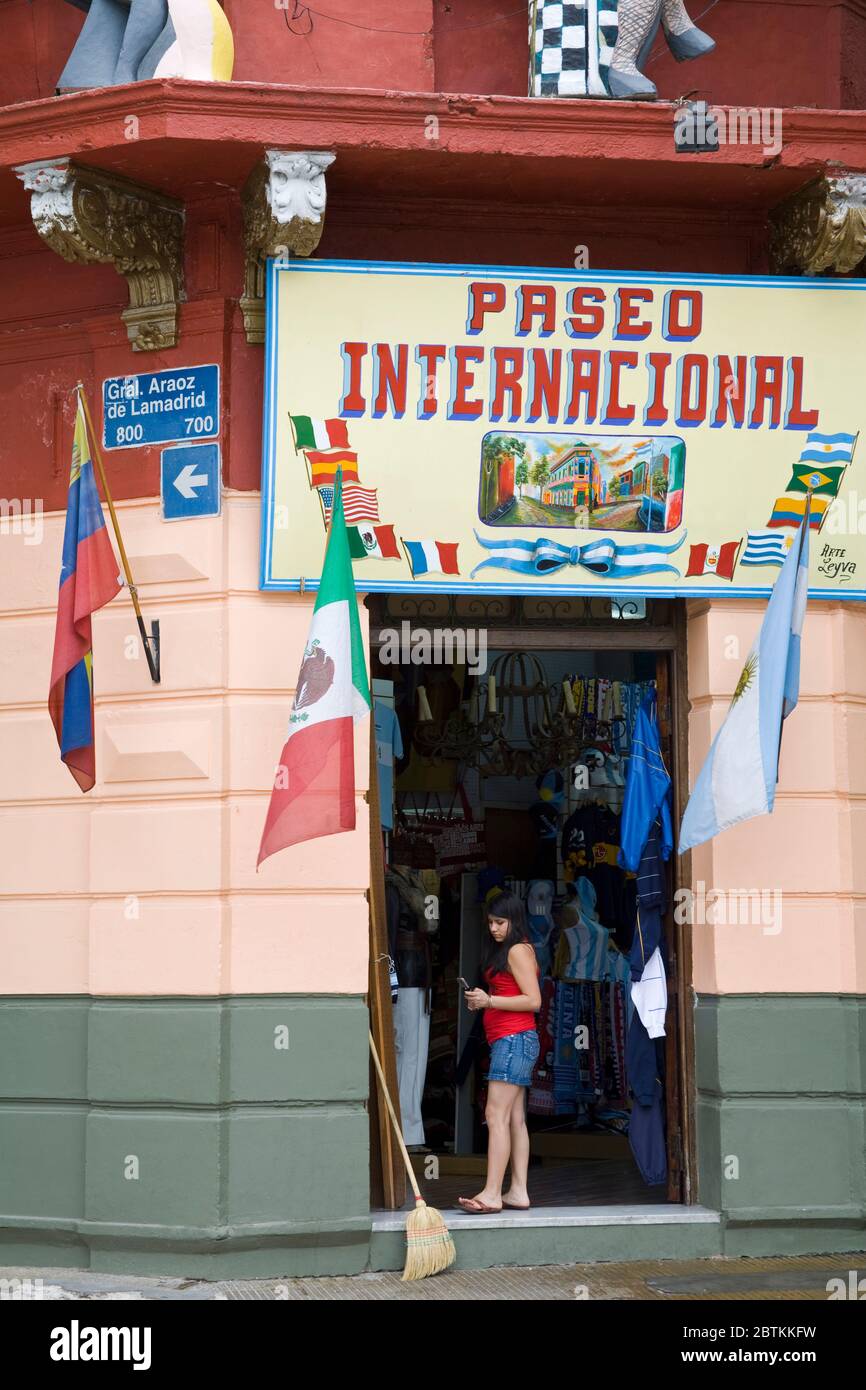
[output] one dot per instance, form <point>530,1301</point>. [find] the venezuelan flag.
<point>88,580</point>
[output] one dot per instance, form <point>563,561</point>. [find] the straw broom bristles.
<point>429,1247</point>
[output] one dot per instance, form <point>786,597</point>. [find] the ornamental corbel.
<point>89,216</point>
<point>284,214</point>
<point>821,229</point>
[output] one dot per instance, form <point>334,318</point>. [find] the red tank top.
<point>501,1023</point>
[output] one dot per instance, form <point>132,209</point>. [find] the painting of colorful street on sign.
<point>610,482</point>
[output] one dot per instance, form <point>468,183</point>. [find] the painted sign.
<point>554,431</point>
<point>161,407</point>
<point>190,481</point>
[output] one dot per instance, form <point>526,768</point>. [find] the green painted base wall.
<point>173,1136</point>
<point>781,1114</point>
<point>176,1135</point>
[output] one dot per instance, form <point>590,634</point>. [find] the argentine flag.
<point>738,779</point>
<point>828,448</point>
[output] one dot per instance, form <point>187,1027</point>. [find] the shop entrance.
<point>504,733</point>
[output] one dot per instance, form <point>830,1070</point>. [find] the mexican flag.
<point>314,787</point>
<point>320,434</point>
<point>377,541</point>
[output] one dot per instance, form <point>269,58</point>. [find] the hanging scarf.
<point>579,692</point>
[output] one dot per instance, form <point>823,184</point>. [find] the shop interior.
<point>515,776</point>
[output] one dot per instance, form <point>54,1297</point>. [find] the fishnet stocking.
<point>636,18</point>
<point>674,17</point>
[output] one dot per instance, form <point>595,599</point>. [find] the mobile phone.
<point>464,983</point>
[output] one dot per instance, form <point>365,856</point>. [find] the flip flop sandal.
<point>514,1206</point>
<point>475,1208</point>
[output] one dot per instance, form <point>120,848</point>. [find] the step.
<point>561,1235</point>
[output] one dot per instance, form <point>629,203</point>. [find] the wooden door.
<point>673,1021</point>
<point>387,1173</point>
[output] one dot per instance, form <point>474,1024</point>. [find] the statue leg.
<point>147,19</point>
<point>94,57</point>
<point>685,40</point>
<point>637,19</point>
<point>675,17</point>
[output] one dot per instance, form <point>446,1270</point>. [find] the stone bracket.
<point>86,215</point>
<point>821,229</point>
<point>284,215</point>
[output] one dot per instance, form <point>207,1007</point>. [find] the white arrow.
<point>188,480</point>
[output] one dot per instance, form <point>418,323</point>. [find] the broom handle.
<point>387,1099</point>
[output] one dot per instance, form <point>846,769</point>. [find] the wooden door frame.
<point>387,1173</point>
<point>682,932</point>
<point>668,638</point>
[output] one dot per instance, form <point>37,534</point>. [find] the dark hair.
<point>494,954</point>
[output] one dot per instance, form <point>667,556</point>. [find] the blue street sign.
<point>190,481</point>
<point>161,407</point>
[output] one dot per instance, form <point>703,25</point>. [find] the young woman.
<point>511,1000</point>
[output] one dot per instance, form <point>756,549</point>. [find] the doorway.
<point>509,772</point>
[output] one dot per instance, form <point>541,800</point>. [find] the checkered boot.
<point>637,19</point>
<point>572,43</point>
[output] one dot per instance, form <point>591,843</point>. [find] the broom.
<point>430,1248</point>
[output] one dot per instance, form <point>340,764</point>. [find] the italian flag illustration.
<point>314,786</point>
<point>320,434</point>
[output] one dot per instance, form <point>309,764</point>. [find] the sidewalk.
<point>800,1277</point>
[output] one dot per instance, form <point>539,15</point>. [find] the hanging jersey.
<point>590,845</point>
<point>582,952</point>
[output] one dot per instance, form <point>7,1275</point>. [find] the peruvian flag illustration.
<point>720,560</point>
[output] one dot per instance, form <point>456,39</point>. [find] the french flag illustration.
<point>427,557</point>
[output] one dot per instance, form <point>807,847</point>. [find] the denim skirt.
<point>513,1058</point>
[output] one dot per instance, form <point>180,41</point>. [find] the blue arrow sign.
<point>161,407</point>
<point>190,481</point>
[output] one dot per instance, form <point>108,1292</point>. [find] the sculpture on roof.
<point>597,48</point>
<point>638,25</point>
<point>131,40</point>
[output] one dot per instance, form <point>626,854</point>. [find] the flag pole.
<point>804,531</point>
<point>149,642</point>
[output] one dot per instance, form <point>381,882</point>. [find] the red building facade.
<point>441,157</point>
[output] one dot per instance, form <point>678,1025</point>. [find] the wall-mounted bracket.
<point>822,228</point>
<point>89,216</point>
<point>284,215</point>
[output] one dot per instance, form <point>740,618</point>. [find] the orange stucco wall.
<point>809,851</point>
<point>148,884</point>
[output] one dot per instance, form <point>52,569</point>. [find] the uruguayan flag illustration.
<point>828,448</point>
<point>738,779</point>
<point>766,548</point>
